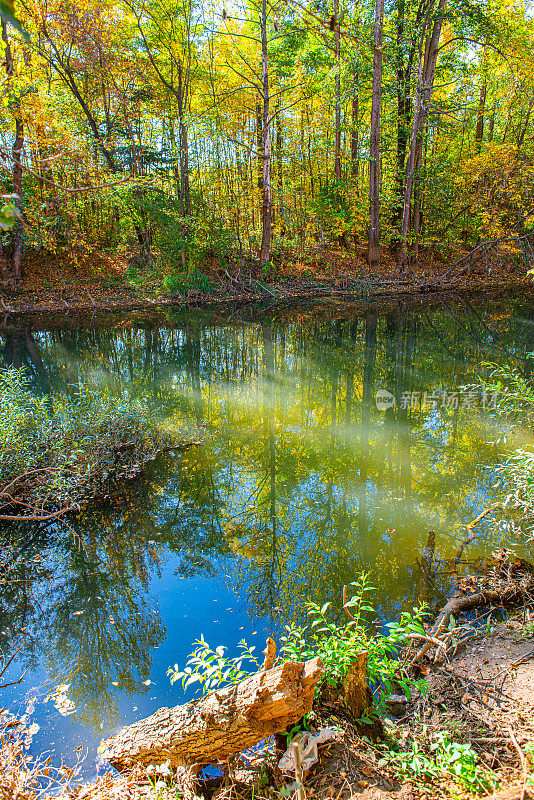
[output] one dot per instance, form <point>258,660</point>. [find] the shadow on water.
<point>301,483</point>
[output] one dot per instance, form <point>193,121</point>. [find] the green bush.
<point>55,452</point>
<point>514,403</point>
<point>337,645</point>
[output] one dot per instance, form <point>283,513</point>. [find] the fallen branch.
<point>523,761</point>
<point>220,725</point>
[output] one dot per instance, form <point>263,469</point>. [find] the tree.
<point>374,146</point>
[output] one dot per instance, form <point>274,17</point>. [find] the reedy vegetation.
<point>184,131</point>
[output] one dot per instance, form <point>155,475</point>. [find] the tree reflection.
<point>300,484</point>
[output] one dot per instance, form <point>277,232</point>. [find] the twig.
<point>10,660</point>
<point>517,662</point>
<point>524,762</point>
<point>35,518</point>
<point>345,609</point>
<point>14,683</point>
<point>298,771</point>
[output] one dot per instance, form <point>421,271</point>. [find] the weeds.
<point>442,758</point>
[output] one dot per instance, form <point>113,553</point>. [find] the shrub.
<point>336,644</point>
<point>515,404</point>
<point>56,452</point>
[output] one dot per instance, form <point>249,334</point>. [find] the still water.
<point>301,483</point>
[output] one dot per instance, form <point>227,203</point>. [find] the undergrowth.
<point>336,643</point>
<point>57,451</point>
<point>515,477</point>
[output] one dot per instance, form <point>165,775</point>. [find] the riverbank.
<point>100,283</point>
<point>471,734</point>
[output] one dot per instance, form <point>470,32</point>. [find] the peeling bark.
<point>220,725</point>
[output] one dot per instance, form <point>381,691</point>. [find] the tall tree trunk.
<point>525,124</point>
<point>175,159</point>
<point>354,159</point>
<point>479,131</point>
<point>337,124</point>
<point>11,260</point>
<point>425,85</point>
<point>266,210</point>
<point>279,163</point>
<point>403,72</point>
<point>374,147</point>
<point>491,127</point>
<point>184,148</point>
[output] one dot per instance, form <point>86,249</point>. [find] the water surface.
<point>300,484</point>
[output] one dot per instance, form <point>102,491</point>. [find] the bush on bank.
<point>57,452</point>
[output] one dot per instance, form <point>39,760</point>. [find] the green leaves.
<point>443,758</point>
<point>211,668</point>
<point>9,213</point>
<point>54,453</point>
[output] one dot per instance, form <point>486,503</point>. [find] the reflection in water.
<point>300,484</point>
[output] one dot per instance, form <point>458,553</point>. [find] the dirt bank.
<point>58,283</point>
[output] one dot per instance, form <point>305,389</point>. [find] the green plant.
<point>514,401</point>
<point>442,758</point>
<point>179,283</point>
<point>211,668</point>
<point>9,213</point>
<point>56,451</point>
<point>339,644</point>
<point>299,727</point>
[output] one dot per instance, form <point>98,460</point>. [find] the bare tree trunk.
<point>266,210</point>
<point>354,140</point>
<point>404,104</point>
<point>337,123</point>
<point>492,122</point>
<point>185,194</point>
<point>374,146</point>
<point>223,723</point>
<point>525,124</point>
<point>279,163</point>
<point>11,261</point>
<point>175,158</point>
<point>425,85</point>
<point>479,131</point>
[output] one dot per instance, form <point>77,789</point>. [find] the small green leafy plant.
<point>336,644</point>
<point>211,668</point>
<point>442,758</point>
<point>339,644</point>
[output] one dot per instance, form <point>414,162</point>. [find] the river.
<point>336,438</point>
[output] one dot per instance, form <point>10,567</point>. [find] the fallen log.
<point>220,725</point>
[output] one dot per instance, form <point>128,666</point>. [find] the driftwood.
<point>220,725</point>
<point>514,581</point>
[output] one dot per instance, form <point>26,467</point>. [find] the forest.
<point>182,139</point>
<point>266,377</point>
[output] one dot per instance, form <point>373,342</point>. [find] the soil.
<point>63,282</point>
